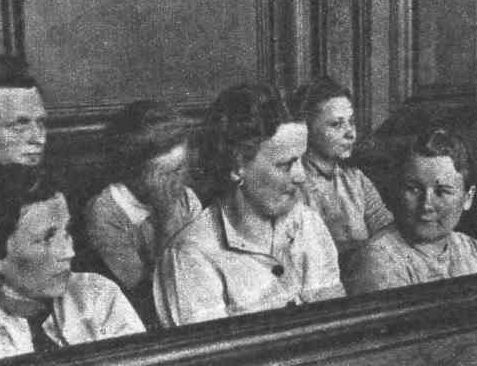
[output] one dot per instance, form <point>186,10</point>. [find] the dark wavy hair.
<point>15,192</point>
<point>306,102</point>
<point>438,141</point>
<point>237,122</point>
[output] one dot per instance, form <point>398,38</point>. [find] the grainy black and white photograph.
<point>238,182</point>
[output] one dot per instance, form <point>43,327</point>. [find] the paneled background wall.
<point>93,57</point>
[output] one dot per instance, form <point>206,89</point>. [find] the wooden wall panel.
<point>340,41</point>
<point>114,51</point>
<point>446,44</point>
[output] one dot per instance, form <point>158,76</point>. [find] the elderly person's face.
<point>433,197</point>
<point>39,252</point>
<point>271,179</point>
<point>332,131</point>
<point>22,132</point>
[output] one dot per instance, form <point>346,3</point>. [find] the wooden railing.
<point>380,328</point>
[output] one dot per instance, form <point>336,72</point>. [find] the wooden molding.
<point>13,28</point>
<point>333,332</point>
<point>402,51</point>
<point>265,40</point>
<point>362,23</point>
<point>319,51</point>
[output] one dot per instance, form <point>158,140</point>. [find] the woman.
<point>131,220</point>
<point>437,187</point>
<point>256,247</point>
<point>347,200</point>
<point>43,305</point>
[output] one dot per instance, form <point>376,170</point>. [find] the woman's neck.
<point>325,165</point>
<point>433,247</point>
<point>245,219</point>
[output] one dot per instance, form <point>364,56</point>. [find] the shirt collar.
<point>285,231</point>
<point>313,165</point>
<point>136,211</point>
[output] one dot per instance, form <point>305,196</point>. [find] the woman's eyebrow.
<point>50,233</point>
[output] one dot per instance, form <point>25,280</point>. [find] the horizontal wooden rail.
<point>332,330</point>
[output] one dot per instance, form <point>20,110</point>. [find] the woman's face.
<point>433,197</point>
<point>272,178</point>
<point>39,252</point>
<point>332,131</point>
<point>165,172</point>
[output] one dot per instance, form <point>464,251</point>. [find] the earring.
<point>237,179</point>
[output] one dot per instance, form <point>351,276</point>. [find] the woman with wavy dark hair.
<point>256,247</point>
<point>131,221</point>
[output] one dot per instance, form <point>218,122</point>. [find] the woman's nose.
<point>350,131</point>
<point>428,200</point>
<point>37,133</point>
<point>64,248</point>
<point>298,172</point>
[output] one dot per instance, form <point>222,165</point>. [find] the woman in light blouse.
<point>347,200</point>
<point>256,247</point>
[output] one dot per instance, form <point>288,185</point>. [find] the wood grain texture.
<point>395,327</point>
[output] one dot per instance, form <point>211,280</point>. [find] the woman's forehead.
<point>433,169</point>
<point>38,215</point>
<point>20,102</point>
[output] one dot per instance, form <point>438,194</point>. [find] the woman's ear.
<point>236,174</point>
<point>469,198</point>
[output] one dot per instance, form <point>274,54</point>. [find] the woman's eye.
<point>336,124</point>
<point>286,167</point>
<point>413,189</point>
<point>440,192</point>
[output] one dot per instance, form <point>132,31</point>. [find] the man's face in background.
<point>22,130</point>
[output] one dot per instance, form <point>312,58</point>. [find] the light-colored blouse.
<point>211,272</point>
<point>93,308</point>
<point>120,228</point>
<point>390,261</point>
<point>348,202</point>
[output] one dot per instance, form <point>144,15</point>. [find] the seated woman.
<point>43,305</point>
<point>131,220</point>
<point>256,247</point>
<point>347,200</point>
<point>437,186</point>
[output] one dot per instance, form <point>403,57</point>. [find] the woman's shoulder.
<point>88,285</point>
<point>388,240</point>
<point>101,200</point>
<point>464,239</point>
<point>202,232</point>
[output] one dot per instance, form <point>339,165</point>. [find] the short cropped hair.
<point>238,121</point>
<point>306,102</point>
<point>441,142</point>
